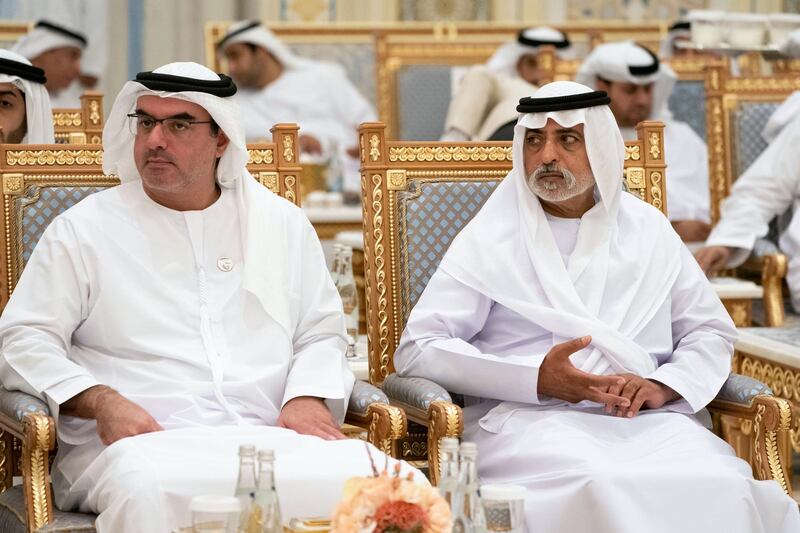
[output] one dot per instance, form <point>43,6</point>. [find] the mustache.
<point>159,154</point>
<point>551,168</point>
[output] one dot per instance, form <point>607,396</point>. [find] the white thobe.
<point>586,471</point>
<point>769,187</point>
<point>124,292</point>
<point>485,101</point>
<point>688,196</point>
<point>320,99</point>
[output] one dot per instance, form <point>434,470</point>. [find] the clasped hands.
<point>623,394</point>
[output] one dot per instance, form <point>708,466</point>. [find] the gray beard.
<point>571,187</point>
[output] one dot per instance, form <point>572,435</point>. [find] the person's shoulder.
<point>681,129</point>
<point>632,205</point>
<point>90,208</point>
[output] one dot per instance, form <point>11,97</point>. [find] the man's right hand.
<point>559,378</point>
<point>712,259</point>
<point>117,417</point>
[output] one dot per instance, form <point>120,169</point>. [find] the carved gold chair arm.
<point>770,419</point>
<point>369,409</point>
<point>445,419</point>
<point>772,268</point>
<point>39,439</point>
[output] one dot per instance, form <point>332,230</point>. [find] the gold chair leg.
<point>772,274</point>
<point>39,439</point>
<point>386,427</point>
<point>444,420</point>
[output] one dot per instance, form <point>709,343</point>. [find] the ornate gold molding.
<point>380,269</point>
<point>449,153</point>
<point>291,194</point>
<point>374,147</point>
<point>67,119</point>
<point>94,112</point>
<point>260,157</point>
<point>13,183</point>
<point>396,179</point>
<point>387,425</point>
<point>655,190</point>
<point>635,181</point>
<point>39,440</point>
<point>288,148</point>
<point>779,84</point>
<point>655,151</point>
<point>444,420</point>
<point>54,157</point>
<point>270,181</point>
<point>632,153</point>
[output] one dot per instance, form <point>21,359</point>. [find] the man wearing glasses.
<point>171,319</point>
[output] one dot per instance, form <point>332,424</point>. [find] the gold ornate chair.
<point>417,197</point>
<point>39,182</point>
<point>737,108</point>
<point>83,125</point>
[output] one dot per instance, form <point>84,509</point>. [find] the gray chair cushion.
<point>789,333</point>
<point>742,389</point>
<point>16,405</point>
<point>423,96</point>
<point>688,104</point>
<point>416,392</point>
<point>12,516</point>
<point>40,205</point>
<point>749,120</point>
<point>430,216</point>
<point>364,394</point>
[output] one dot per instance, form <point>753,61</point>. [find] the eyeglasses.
<point>174,127</point>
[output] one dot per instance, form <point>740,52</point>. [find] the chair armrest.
<point>742,390</point>
<point>415,395</point>
<point>773,267</point>
<point>14,405</point>
<point>365,394</point>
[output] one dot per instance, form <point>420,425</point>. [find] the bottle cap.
<point>448,444</point>
<point>247,450</point>
<point>469,449</point>
<point>266,455</point>
<point>502,492</point>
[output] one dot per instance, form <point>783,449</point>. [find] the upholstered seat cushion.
<point>413,391</point>
<point>742,389</point>
<point>749,121</point>
<point>423,97</point>
<point>12,516</point>
<point>687,102</point>
<point>16,405</point>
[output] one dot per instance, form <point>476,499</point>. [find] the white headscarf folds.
<point>265,275</point>
<point>604,290</point>
<point>254,33</point>
<point>528,41</point>
<point>30,80</point>
<point>626,61</point>
<point>48,36</point>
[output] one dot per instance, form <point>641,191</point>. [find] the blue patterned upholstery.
<point>416,392</point>
<point>742,389</point>
<point>430,215</point>
<point>363,395</point>
<point>16,404</point>
<point>748,121</point>
<point>688,104</point>
<point>423,96</point>
<point>39,206</point>
<point>357,59</point>
<point>12,516</point>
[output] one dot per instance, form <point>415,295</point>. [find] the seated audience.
<point>639,87</point>
<point>768,188</point>
<point>586,342</point>
<point>275,85</point>
<point>57,50</point>
<point>172,318</point>
<point>483,107</point>
<point>25,114</point>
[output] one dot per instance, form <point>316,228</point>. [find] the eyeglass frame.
<point>137,116</point>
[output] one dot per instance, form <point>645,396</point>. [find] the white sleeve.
<point>436,345</point>
<point>49,303</point>
<point>687,173</point>
<point>764,191</point>
<point>703,335</point>
<point>319,367</point>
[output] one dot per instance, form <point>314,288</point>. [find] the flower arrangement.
<point>388,503</point>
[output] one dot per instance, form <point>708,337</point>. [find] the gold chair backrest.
<point>11,30</point>
<point>437,182</point>
<point>736,110</point>
<point>83,125</point>
<point>41,181</point>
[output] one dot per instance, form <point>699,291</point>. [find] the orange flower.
<point>399,516</point>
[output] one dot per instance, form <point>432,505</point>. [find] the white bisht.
<point>17,70</point>
<point>588,296</point>
<point>686,154</point>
